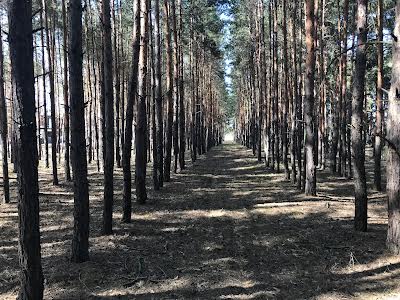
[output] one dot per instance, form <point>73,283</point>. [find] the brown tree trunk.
<point>175,85</point>
<point>285,95</point>
<point>117,69</point>
<point>261,76</point>
<point>322,115</point>
<point>276,89</point>
<point>393,136</point>
<point>127,147</point>
<point>357,126</point>
<point>21,54</point>
<point>80,238</point>
<point>295,108</point>
<point>379,102</point>
<point>109,120</point>
<point>141,128</point>
<point>46,136</point>
<point>159,136</point>
<point>3,127</point>
<point>343,97</point>
<point>152,97</point>
<point>50,60</point>
<point>169,93</point>
<point>310,179</point>
<point>182,118</point>
<point>67,169</point>
<point>193,68</point>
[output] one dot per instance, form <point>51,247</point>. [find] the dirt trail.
<point>224,229</point>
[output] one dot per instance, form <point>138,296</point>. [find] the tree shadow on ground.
<point>223,229</point>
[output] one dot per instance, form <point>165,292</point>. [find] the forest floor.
<point>225,228</point>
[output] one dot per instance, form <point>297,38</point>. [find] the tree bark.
<point>158,96</point>
<point>393,135</point>
<point>109,120</point>
<point>379,102</point>
<point>169,93</point>
<point>176,93</point>
<point>182,117</point>
<point>141,128</point>
<point>117,67</point>
<point>46,136</point>
<point>80,239</point>
<point>21,54</point>
<point>67,168</point>
<point>295,108</point>
<point>50,60</point>
<point>310,179</point>
<point>343,97</point>
<point>127,147</point>
<point>3,127</point>
<point>285,95</point>
<point>357,126</point>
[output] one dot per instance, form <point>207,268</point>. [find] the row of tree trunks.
<point>90,75</point>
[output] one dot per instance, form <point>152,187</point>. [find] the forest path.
<point>225,228</point>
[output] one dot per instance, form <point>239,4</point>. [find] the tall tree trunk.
<point>285,95</point>
<point>141,128</point>
<point>176,85</point>
<point>182,118</point>
<point>379,102</point>
<point>357,126</point>
<point>46,136</point>
<point>109,120</point>
<point>50,61</point>
<point>67,169</point>
<point>343,97</point>
<point>80,238</point>
<point>37,91</point>
<point>263,103</point>
<point>334,110</point>
<point>21,53</point>
<point>322,116</point>
<point>393,135</point>
<point>117,69</point>
<point>270,108</point>
<point>169,93</point>
<point>127,147</point>
<point>295,108</point>
<point>276,88</point>
<point>3,126</point>
<point>260,77</point>
<point>152,97</point>
<point>158,96</point>
<point>310,179</point>
<point>123,79</point>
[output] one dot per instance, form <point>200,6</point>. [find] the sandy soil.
<point>224,229</point>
